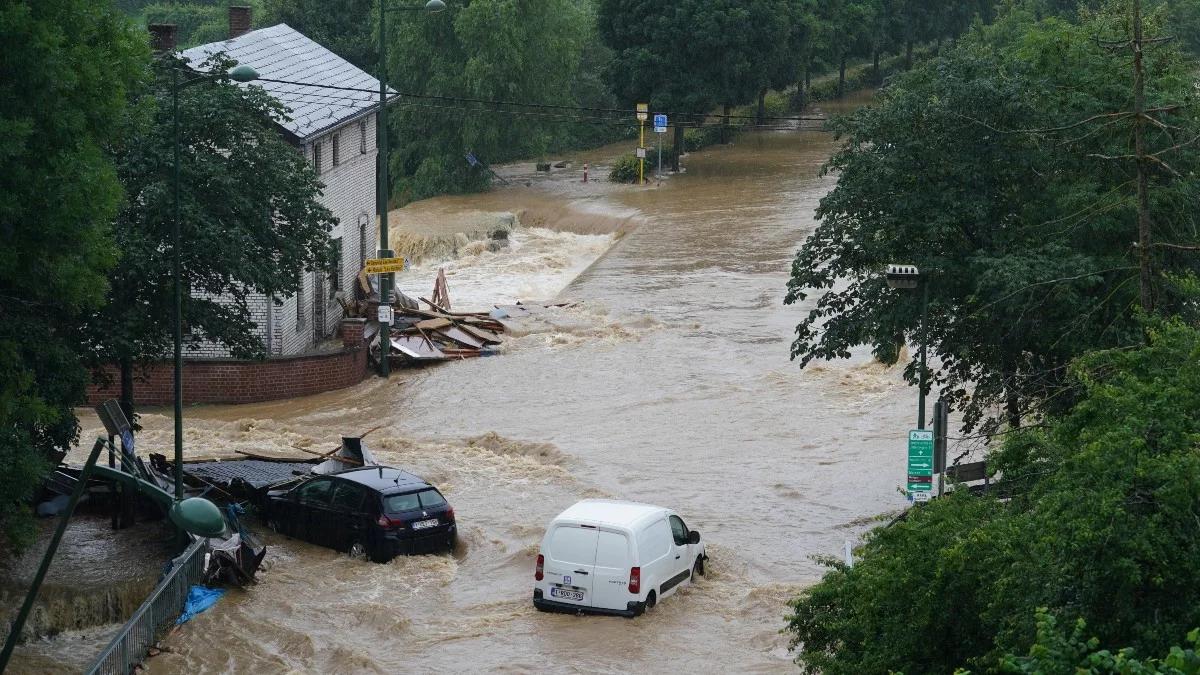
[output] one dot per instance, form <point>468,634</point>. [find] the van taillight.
<point>386,522</point>
<point>541,563</point>
<point>635,580</point>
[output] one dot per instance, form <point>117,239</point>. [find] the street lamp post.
<point>909,277</point>
<point>242,73</point>
<point>387,281</point>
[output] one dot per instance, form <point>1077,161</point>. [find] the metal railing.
<point>157,613</point>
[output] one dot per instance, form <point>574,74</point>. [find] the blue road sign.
<point>660,123</point>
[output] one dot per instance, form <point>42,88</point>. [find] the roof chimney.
<point>162,37</point>
<point>239,20</point>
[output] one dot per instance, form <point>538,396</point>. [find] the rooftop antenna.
<point>381,473</point>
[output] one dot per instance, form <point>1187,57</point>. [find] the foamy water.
<point>537,264</point>
<point>668,382</point>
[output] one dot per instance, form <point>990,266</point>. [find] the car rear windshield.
<point>425,499</point>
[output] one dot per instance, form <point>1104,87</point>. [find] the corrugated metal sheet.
<point>282,53</point>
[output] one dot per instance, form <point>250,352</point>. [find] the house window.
<point>300,305</point>
<point>362,137</point>
<point>336,159</point>
<point>362,240</point>
<point>317,158</point>
<point>335,276</point>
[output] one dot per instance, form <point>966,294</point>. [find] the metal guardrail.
<point>156,614</point>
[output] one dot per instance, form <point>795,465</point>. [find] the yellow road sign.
<point>385,265</point>
<point>643,111</point>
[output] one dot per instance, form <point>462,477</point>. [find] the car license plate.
<point>566,594</point>
<point>425,524</point>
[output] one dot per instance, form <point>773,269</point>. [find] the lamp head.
<point>243,73</point>
<point>198,516</point>
<point>903,276</point>
<point>435,6</point>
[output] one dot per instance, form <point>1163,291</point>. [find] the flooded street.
<point>669,382</point>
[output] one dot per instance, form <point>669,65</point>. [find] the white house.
<point>335,131</point>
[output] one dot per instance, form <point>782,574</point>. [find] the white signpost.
<point>660,127</point>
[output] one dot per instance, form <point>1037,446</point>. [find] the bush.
<point>1099,525</point>
<point>1056,653</point>
<point>624,170</point>
<point>698,138</point>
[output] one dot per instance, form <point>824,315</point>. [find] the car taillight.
<point>635,580</point>
<point>450,513</point>
<point>386,522</point>
<point>541,563</point>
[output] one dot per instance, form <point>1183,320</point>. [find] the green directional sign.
<point>920,461</point>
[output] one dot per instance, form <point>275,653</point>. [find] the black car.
<point>371,512</point>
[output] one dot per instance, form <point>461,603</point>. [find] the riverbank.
<point>669,382</point>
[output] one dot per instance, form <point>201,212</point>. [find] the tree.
<point>975,168</point>
<point>486,50</point>
<point>250,220</point>
<point>1056,653</point>
<point>1099,525</point>
<point>62,94</point>
<point>345,31</point>
<point>687,57</point>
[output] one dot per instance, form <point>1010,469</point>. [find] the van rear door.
<point>610,581</point>
<point>570,564</point>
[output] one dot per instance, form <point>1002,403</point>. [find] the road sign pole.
<point>659,176</point>
<point>643,114</point>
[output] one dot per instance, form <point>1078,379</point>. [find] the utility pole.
<point>388,279</point>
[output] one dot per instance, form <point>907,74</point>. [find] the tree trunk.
<point>725,124</point>
<point>1139,142</point>
<point>908,47</point>
<point>803,87</point>
<point>126,366</point>
<point>808,75</point>
<point>841,91</point>
<point>761,118</point>
<point>1012,396</point>
<point>937,46</point>
<point>678,146</point>
<point>878,77</point>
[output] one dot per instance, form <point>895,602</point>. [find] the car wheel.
<point>698,568</point>
<point>357,551</point>
<point>651,600</point>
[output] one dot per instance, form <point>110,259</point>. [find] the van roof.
<point>611,512</point>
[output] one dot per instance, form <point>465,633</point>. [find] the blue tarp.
<point>199,599</point>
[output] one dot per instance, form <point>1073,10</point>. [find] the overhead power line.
<point>551,106</point>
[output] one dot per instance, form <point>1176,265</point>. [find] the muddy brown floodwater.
<point>669,383</point>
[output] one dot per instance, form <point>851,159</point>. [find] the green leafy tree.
<point>979,168</point>
<point>345,29</point>
<point>1057,653</point>
<point>250,222</point>
<point>1099,525</point>
<point>67,67</point>
<point>689,56</point>
<point>488,50</point>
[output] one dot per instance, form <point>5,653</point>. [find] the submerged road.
<point>669,382</point>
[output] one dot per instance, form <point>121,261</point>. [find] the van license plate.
<point>565,594</point>
<point>425,524</point>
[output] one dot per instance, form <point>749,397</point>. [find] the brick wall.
<point>236,381</point>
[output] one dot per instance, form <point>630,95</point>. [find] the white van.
<point>609,557</point>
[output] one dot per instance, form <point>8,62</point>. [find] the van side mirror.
<point>693,537</point>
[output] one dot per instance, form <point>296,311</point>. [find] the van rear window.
<point>412,501</point>
<point>575,545</point>
<point>612,551</point>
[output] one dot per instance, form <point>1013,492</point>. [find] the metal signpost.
<point>643,114</point>
<point>920,464</point>
<point>660,128</point>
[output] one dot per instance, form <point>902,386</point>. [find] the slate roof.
<point>282,53</point>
